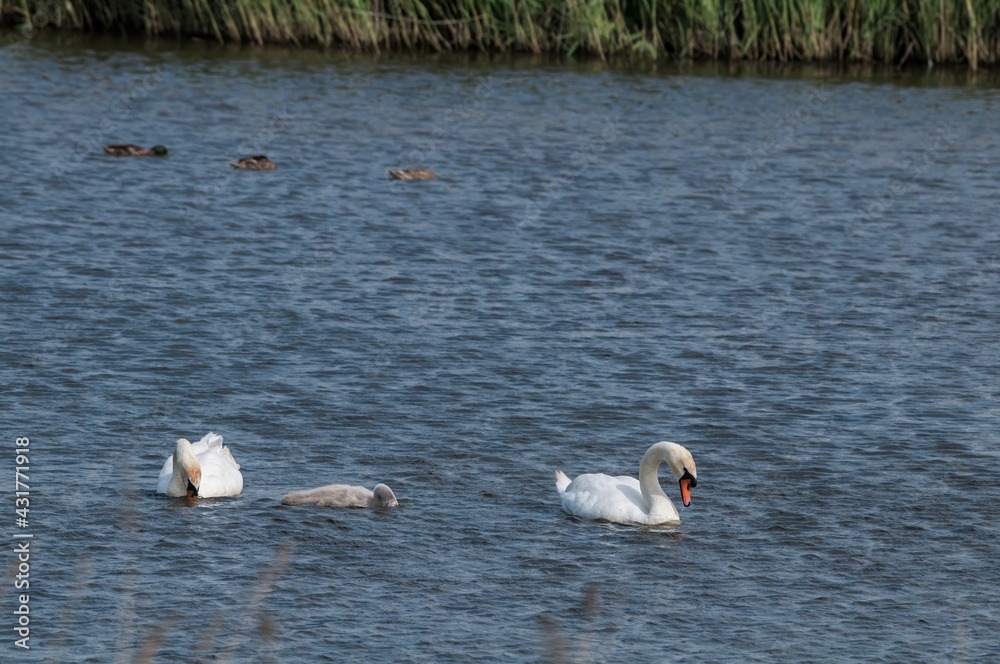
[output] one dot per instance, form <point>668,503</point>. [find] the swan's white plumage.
<point>622,499</point>
<point>343,495</point>
<point>219,473</point>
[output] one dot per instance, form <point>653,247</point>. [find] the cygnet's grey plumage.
<point>343,495</point>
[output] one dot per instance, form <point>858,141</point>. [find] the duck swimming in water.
<point>256,163</point>
<point>129,150</point>
<point>411,174</point>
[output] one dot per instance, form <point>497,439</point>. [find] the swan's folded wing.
<point>598,496</point>
<point>227,457</point>
<point>209,441</point>
<point>210,450</point>
<point>220,474</point>
<point>629,488</point>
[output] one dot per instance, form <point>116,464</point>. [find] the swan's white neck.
<point>186,469</point>
<point>656,503</point>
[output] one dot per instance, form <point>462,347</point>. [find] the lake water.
<point>795,274</point>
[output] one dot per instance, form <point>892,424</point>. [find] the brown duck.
<point>129,150</point>
<point>411,174</point>
<point>256,163</point>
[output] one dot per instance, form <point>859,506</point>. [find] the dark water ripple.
<point>590,274</point>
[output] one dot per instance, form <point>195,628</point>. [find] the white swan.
<point>343,495</point>
<point>205,469</point>
<point>624,499</point>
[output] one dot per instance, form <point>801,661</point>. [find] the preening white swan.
<point>624,499</point>
<point>205,469</point>
<point>343,495</point>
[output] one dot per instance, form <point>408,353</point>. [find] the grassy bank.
<point>893,31</point>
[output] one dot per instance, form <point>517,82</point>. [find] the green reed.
<point>895,31</point>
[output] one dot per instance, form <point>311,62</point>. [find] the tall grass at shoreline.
<point>891,31</point>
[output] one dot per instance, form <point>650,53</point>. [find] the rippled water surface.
<point>797,277</point>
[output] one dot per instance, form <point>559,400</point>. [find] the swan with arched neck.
<point>205,469</point>
<point>624,499</point>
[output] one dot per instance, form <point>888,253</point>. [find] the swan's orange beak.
<point>686,492</point>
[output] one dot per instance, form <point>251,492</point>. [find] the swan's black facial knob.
<point>192,490</point>
<point>687,482</point>
<point>688,476</point>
